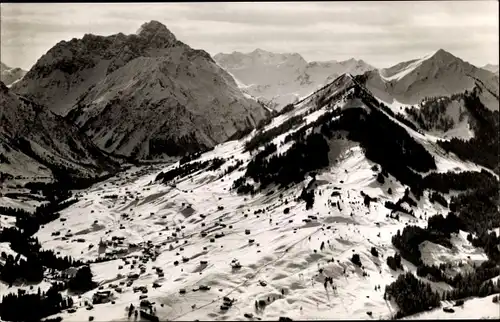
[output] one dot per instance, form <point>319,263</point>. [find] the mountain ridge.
<point>36,142</point>
<point>437,74</point>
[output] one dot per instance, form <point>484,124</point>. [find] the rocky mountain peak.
<point>259,51</point>
<point>443,56</point>
<point>152,27</point>
<point>155,30</point>
<point>142,95</point>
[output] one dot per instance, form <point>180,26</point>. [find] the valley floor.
<point>281,256</point>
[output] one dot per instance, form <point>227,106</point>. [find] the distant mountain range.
<point>280,79</point>
<point>10,75</point>
<point>492,68</point>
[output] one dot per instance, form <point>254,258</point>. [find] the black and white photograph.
<point>249,161</point>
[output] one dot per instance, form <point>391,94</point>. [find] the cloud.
<point>381,33</point>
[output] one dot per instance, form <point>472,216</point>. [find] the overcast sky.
<point>381,33</point>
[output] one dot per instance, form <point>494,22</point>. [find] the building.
<point>101,297</point>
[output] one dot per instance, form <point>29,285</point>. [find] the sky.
<point>381,33</point>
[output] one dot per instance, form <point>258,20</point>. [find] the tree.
<point>355,259</point>
<point>82,281</point>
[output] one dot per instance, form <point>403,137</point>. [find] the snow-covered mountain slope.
<point>476,308</point>
<point>492,68</point>
<point>188,233</point>
<point>281,79</point>
<point>437,74</point>
<point>141,95</point>
<point>36,144</point>
<point>10,75</point>
<point>438,117</point>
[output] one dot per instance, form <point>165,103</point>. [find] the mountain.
<point>281,79</point>
<point>9,75</point>
<point>437,74</point>
<point>334,208</point>
<point>143,95</point>
<point>36,144</point>
<point>492,68</point>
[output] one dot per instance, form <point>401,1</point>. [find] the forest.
<point>292,165</point>
<point>33,306</point>
<point>411,295</point>
<point>439,230</point>
<point>431,114</point>
<point>483,147</point>
<point>263,137</point>
<point>186,169</point>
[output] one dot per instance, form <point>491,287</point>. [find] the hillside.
<point>144,95</point>
<point>10,75</point>
<point>280,79</point>
<point>329,210</point>
<point>37,145</point>
<point>437,74</point>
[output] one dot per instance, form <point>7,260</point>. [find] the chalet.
<point>70,272</point>
<point>101,297</point>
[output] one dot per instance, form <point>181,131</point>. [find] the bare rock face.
<point>281,79</point>
<point>35,143</point>
<point>143,95</point>
<point>438,74</point>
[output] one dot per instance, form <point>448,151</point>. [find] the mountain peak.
<point>443,55</point>
<point>153,25</point>
<point>154,28</point>
<point>259,51</point>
